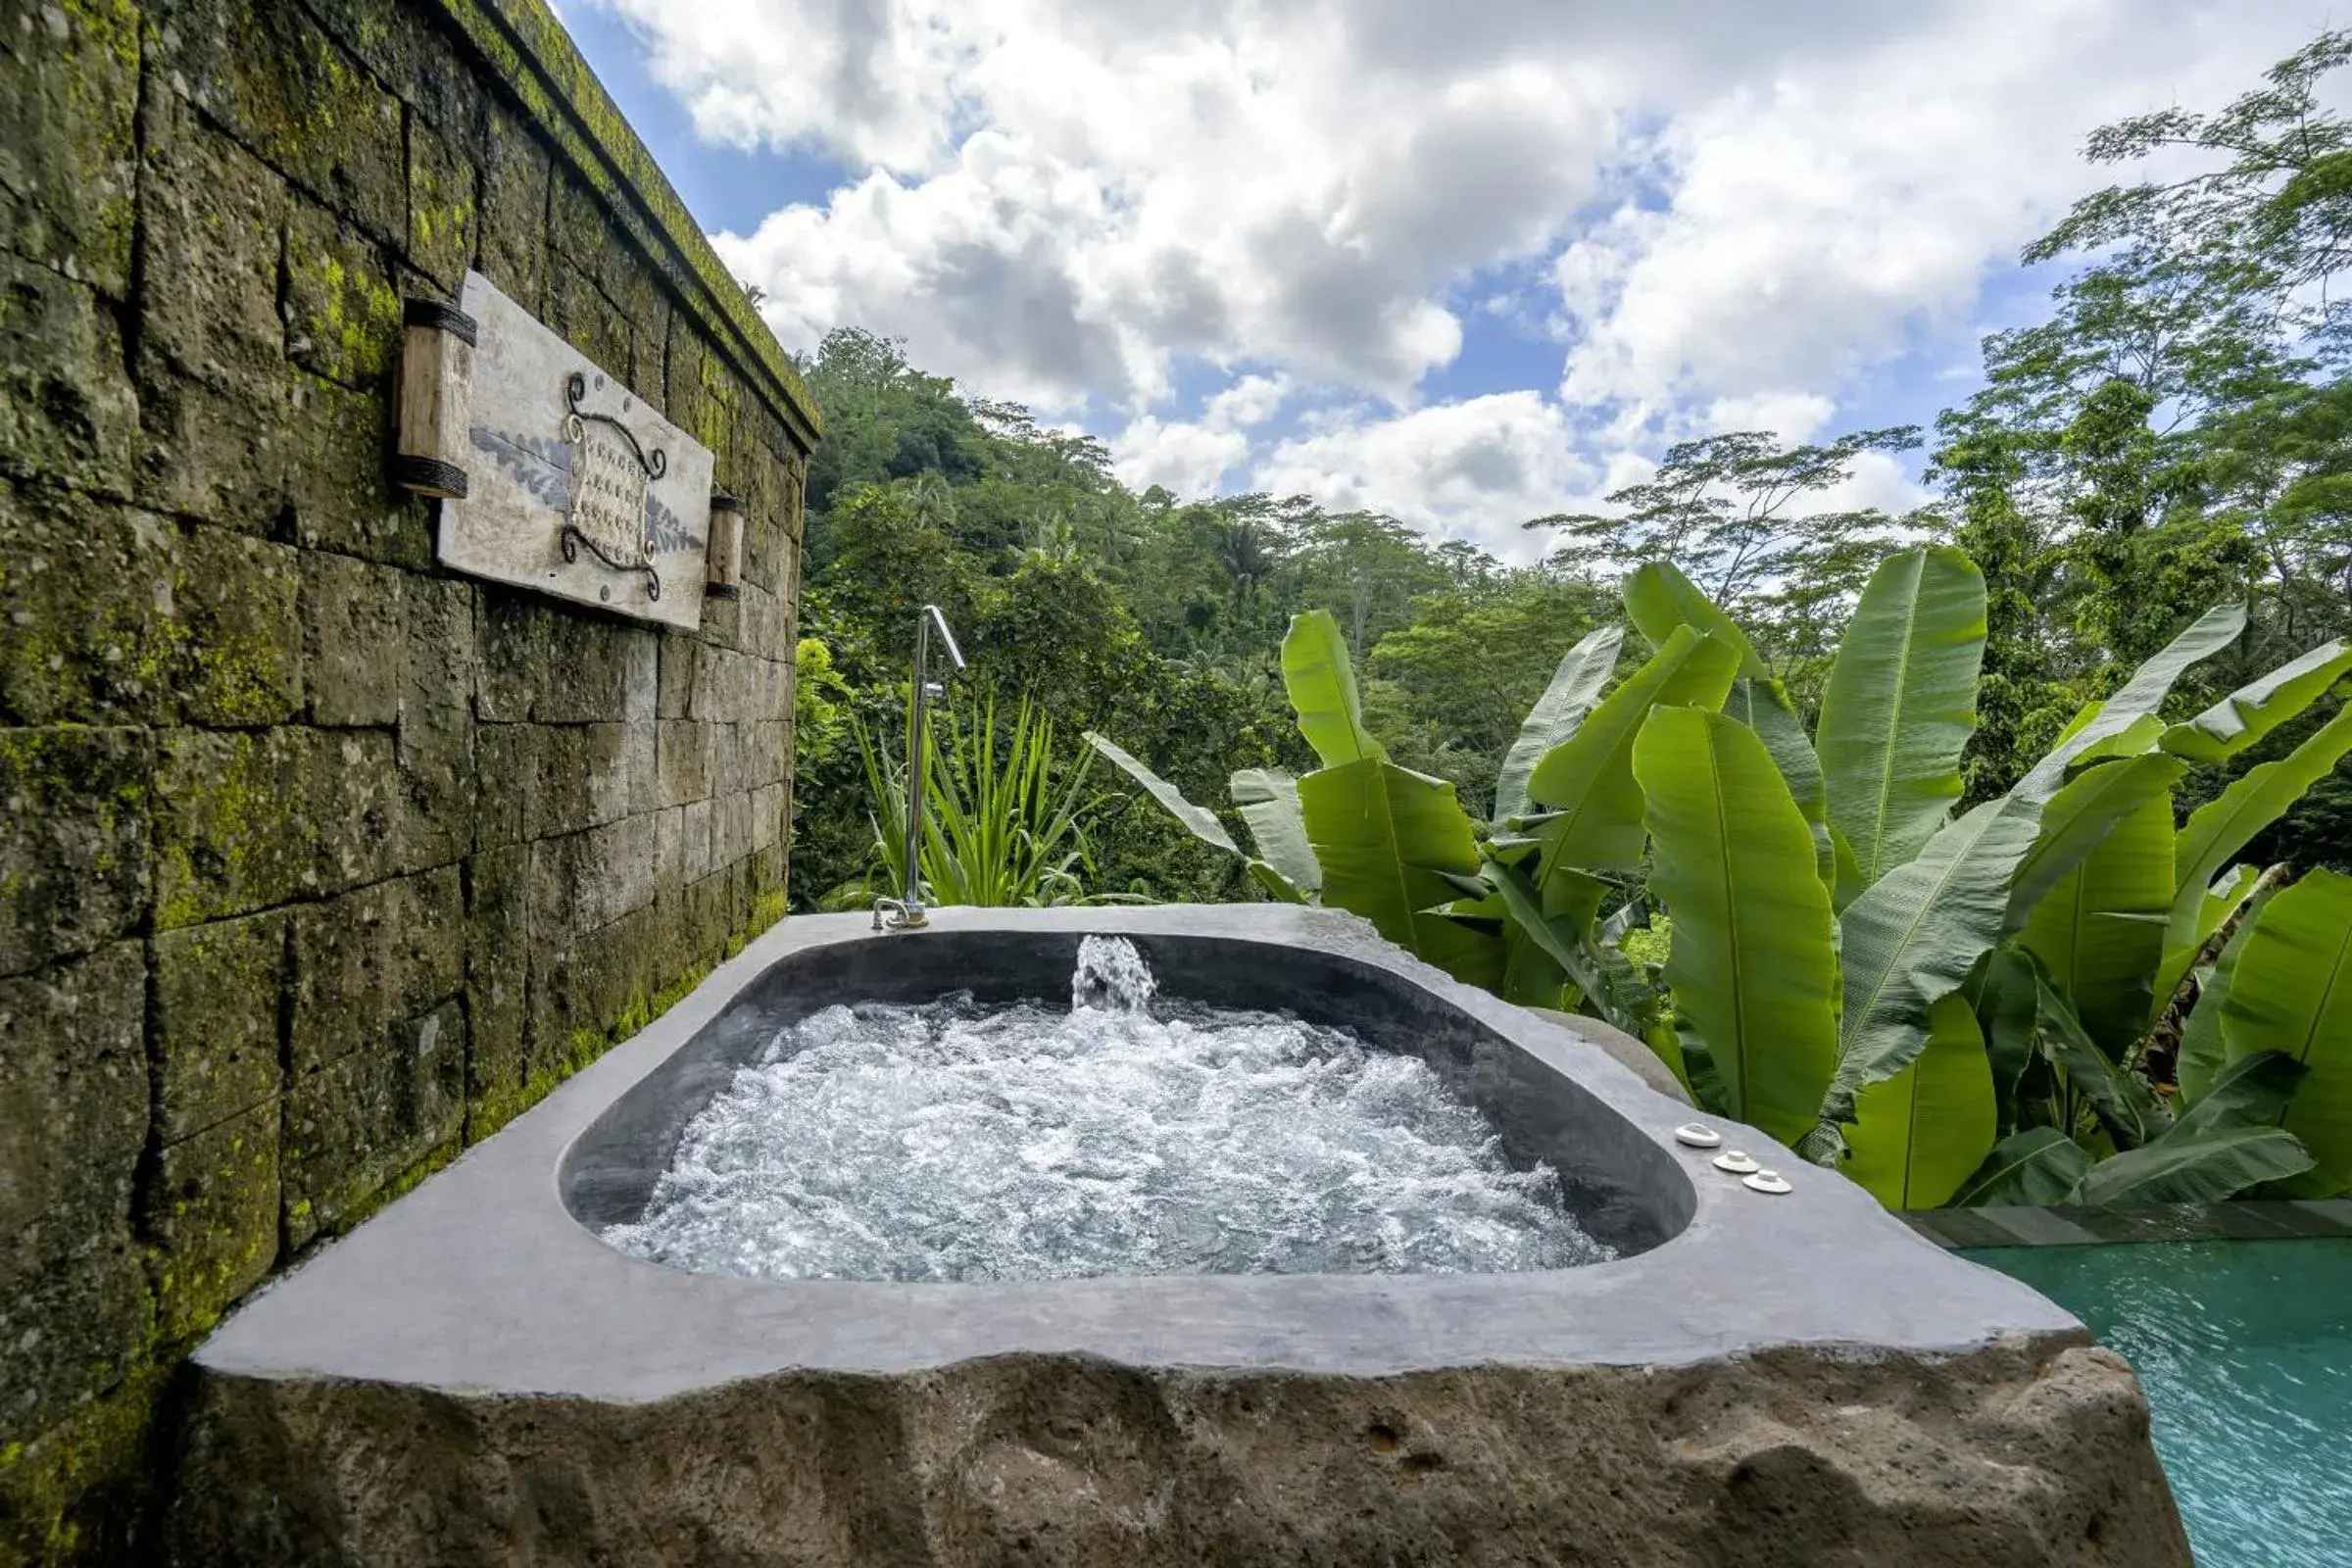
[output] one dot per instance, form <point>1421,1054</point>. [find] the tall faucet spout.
<point>908,915</point>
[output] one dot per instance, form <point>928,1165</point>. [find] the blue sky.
<point>1463,262</point>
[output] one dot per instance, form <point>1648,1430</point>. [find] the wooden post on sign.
<point>726,547</point>
<point>436,378</point>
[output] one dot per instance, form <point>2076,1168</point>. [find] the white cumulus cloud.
<point>1308,213</point>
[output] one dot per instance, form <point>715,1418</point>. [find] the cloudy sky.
<point>1462,261</point>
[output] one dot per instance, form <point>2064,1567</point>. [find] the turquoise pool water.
<point>2246,1351</point>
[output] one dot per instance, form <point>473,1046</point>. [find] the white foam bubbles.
<point>947,1141</point>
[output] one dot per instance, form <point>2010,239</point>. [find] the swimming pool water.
<point>2245,1348</point>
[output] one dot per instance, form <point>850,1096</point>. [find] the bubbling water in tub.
<point>948,1142</point>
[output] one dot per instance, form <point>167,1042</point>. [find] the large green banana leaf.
<point>1597,970</point>
<point>2119,1096</point>
<point>2039,1165</point>
<point>1531,976</point>
<point>1588,780</point>
<point>2008,1002</point>
<point>1658,598</point>
<point>1320,679</point>
<point>2121,718</point>
<point>2250,1090</point>
<point>2292,994</point>
<point>1753,969</point>
<point>1917,931</point>
<point>2079,820</point>
<point>1278,880</point>
<point>2203,1053</point>
<point>1200,820</point>
<point>1921,1133</point>
<point>2101,931</point>
<point>2203,1168</point>
<point>2222,825</point>
<point>1268,800</point>
<point>2260,706</point>
<point>2223,900</point>
<point>1385,838</point>
<point>1900,703</point>
<point>1915,935</point>
<point>1575,687</point>
<point>1765,707</point>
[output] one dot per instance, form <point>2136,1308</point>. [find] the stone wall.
<point>320,864</point>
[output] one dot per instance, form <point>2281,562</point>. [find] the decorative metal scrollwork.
<point>609,473</point>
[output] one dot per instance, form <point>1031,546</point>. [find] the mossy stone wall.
<point>320,864</point>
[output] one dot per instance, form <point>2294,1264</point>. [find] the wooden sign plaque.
<point>553,475</point>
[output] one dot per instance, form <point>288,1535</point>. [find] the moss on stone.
<point>75,1489</point>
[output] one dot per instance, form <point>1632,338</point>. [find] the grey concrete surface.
<point>482,1279</point>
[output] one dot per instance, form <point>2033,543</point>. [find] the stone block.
<point>511,631</point>
<point>768,815</point>
<point>563,797</point>
<point>239,602</point>
<point>72,1109</point>
<point>72,1330</point>
<point>694,840</point>
<point>337,441</point>
<point>68,101</point>
<point>292,96</point>
<point>723,626</point>
<point>341,308</point>
<point>516,175</point>
<point>731,828</point>
<point>352,805</point>
<point>649,331</point>
<point>362,1123</point>
<point>88,624</point>
<point>73,840</point>
<point>440,204</point>
<point>581,881</point>
<point>603,754</point>
<point>683,762</point>
<point>682,374</point>
<point>542,662</point>
<point>370,960</point>
<point>769,867</point>
<point>622,861</point>
<point>210,359</point>
<point>498,964</point>
<point>210,1216</point>
<point>231,826</point>
<point>415,60</point>
<point>727,759</point>
<point>588,319</point>
<point>437,769</point>
<point>771,750</point>
<point>68,414</point>
<point>643,747</point>
<point>669,849</point>
<point>352,613</point>
<point>508,762</point>
<point>680,652</point>
<point>218,988</point>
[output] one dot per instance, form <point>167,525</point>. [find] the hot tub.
<point>476,1375</point>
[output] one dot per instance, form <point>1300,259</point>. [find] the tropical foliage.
<point>1004,821</point>
<point>1951,1006</point>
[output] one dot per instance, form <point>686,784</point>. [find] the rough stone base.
<point>2028,1454</point>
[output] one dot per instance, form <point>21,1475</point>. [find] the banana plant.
<point>1954,1008</point>
<point>1946,1086</point>
<point>1360,833</point>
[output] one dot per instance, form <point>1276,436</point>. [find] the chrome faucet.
<point>907,913</point>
